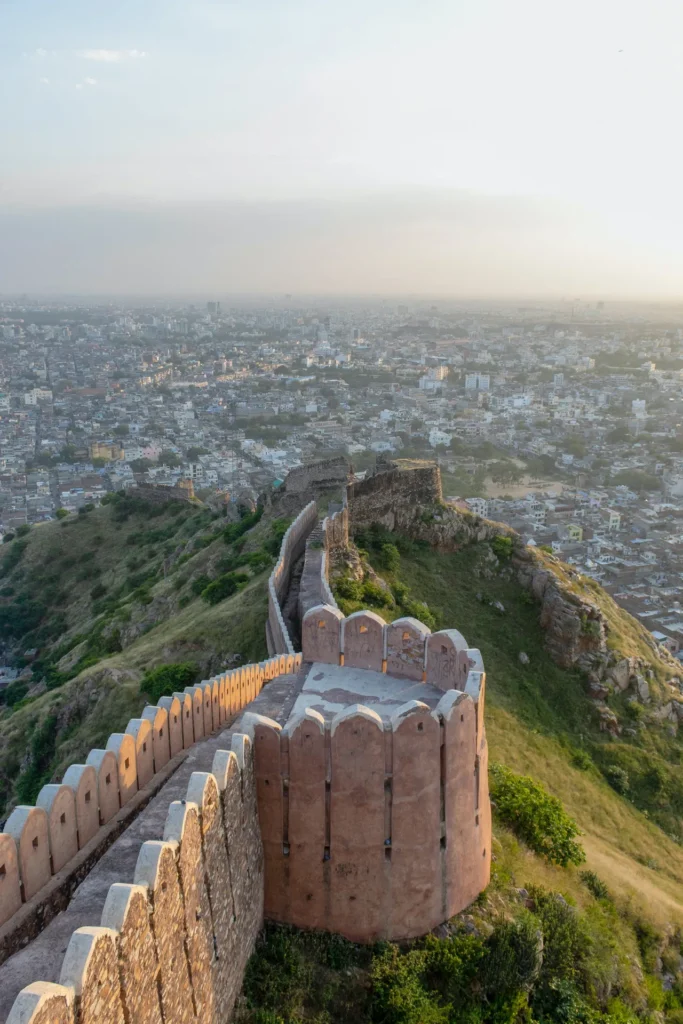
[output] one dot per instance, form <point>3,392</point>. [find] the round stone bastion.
<point>373,797</point>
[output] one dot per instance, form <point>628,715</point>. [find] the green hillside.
<point>90,603</point>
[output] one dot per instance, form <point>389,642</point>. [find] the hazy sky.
<point>436,146</point>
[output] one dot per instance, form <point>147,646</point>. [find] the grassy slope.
<point>102,697</point>
<point>538,716</point>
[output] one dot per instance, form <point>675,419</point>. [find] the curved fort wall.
<point>68,822</point>
<point>371,828</point>
<point>293,545</point>
<point>171,947</point>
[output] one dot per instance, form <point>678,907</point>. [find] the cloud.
<point>44,81</point>
<point>111,56</point>
<point>90,81</point>
<point>40,52</point>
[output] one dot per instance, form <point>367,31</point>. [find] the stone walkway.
<point>42,959</point>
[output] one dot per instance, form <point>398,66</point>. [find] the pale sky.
<point>435,146</point>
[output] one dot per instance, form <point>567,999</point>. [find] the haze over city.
<point>436,148</point>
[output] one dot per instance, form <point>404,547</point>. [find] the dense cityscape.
<point>564,421</point>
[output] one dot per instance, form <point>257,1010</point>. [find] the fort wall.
<point>374,829</point>
<point>172,946</point>
<point>326,473</point>
<point>292,547</point>
<point>377,498</point>
<point>69,820</point>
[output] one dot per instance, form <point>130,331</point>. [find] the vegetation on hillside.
<point>91,604</point>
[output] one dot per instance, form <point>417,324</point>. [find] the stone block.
<point>59,803</point>
<point>447,664</point>
<point>265,735</point>
<point>363,641</point>
<point>158,718</point>
<point>28,827</point>
<point>187,717</point>
<point>321,637</point>
<point>415,853</point>
<point>183,830</point>
<point>157,869</point>
<point>307,863</point>
<point>196,694</point>
<point>141,731</point>
<point>82,778</point>
<point>357,897</point>
<point>127,911</point>
<point>10,883</point>
<point>207,703</point>
<point>405,648</point>
<point>91,969</point>
<point>123,745</point>
<point>203,791</point>
<point>43,1003</point>
<point>106,765</point>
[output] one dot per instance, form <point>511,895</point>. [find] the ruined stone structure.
<point>379,497</point>
<point>356,802</point>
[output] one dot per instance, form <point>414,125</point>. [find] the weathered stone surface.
<point>405,648</point>
<point>43,1003</point>
<point>157,869</point>
<point>28,826</point>
<point>183,829</point>
<point>187,713</point>
<point>447,664</point>
<point>106,765</point>
<point>91,968</point>
<point>158,718</point>
<point>141,731</point>
<point>203,791</point>
<point>127,912</point>
<point>321,634</point>
<point>123,745</point>
<point>363,641</point>
<point>82,779</point>
<point>59,803</point>
<point>10,884</point>
<point>357,825</point>
<point>307,866</point>
<point>415,855</point>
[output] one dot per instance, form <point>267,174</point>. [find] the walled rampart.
<point>172,946</point>
<point>292,547</point>
<point>63,828</point>
<point>321,475</point>
<point>372,828</point>
<point>379,498</point>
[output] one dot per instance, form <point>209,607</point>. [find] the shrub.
<point>166,679</point>
<point>398,993</point>
<point>595,885</point>
<point>502,548</point>
<point>224,587</point>
<point>618,779</point>
<point>390,558</point>
<point>99,590</point>
<point>23,530</point>
<point>199,584</point>
<point>582,760</point>
<point>62,513</point>
<point>350,589</point>
<point>7,538</point>
<point>535,816</point>
<point>374,594</point>
<point>420,610</point>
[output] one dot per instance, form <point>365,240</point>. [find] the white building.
<point>477,381</point>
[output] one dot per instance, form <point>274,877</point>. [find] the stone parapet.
<point>292,547</point>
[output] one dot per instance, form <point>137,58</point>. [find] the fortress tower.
<point>373,797</point>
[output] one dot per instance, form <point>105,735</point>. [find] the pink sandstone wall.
<point>44,840</point>
<point>172,947</point>
<point>375,830</point>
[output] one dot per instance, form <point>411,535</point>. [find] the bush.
<point>398,993</point>
<point>618,779</point>
<point>7,538</point>
<point>595,885</point>
<point>349,589</point>
<point>582,760</point>
<point>224,587</point>
<point>502,548</point>
<point>390,558</point>
<point>535,816</point>
<point>167,679</point>
<point>62,513</point>
<point>23,530</point>
<point>99,590</point>
<point>374,594</point>
<point>199,584</point>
